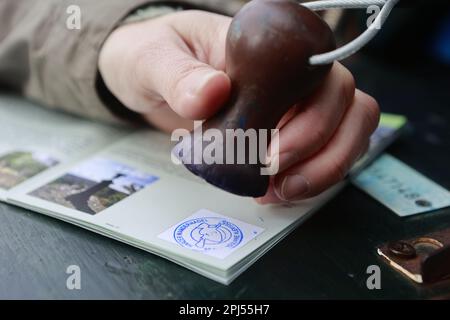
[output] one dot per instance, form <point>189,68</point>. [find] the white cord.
<point>342,4</point>
<point>356,45</point>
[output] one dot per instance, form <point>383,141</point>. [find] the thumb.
<point>193,89</point>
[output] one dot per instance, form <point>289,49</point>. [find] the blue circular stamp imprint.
<point>209,233</point>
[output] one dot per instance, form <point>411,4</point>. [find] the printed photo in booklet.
<point>123,184</point>
<point>94,185</point>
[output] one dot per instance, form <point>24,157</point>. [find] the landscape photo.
<point>18,166</point>
<point>94,186</point>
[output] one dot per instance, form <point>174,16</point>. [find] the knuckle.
<point>182,69</point>
<point>346,83</point>
<point>338,170</point>
<point>348,87</point>
<point>320,136</point>
<point>372,113</point>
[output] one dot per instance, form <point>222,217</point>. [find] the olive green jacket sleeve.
<point>47,59</point>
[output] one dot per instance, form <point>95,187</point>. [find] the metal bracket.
<point>424,259</point>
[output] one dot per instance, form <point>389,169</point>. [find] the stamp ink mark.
<point>208,233</point>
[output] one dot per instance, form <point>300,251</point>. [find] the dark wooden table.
<point>326,257</point>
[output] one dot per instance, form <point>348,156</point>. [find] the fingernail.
<point>292,187</point>
<point>200,80</point>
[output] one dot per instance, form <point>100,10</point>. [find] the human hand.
<point>171,70</point>
<point>320,139</point>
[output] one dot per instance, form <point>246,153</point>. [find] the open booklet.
<point>123,184</point>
